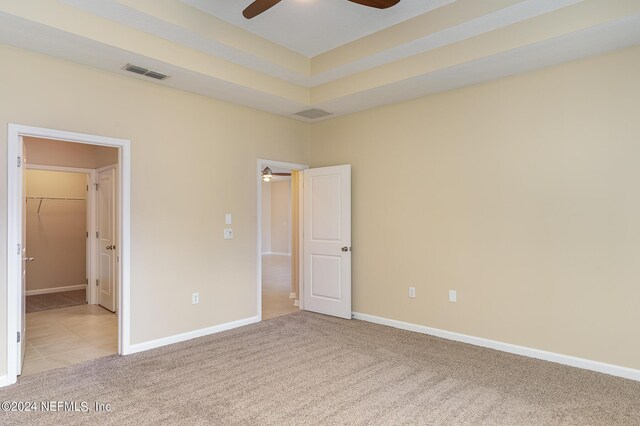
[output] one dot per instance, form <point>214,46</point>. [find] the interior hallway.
<point>61,337</point>
<point>276,286</point>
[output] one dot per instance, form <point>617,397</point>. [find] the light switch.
<point>228,234</point>
<point>227,219</point>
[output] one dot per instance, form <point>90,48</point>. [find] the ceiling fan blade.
<point>378,4</point>
<point>257,7</point>
<point>281,174</point>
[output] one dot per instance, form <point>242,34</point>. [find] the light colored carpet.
<point>63,299</point>
<point>306,368</point>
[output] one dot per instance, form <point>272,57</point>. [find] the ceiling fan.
<point>259,6</point>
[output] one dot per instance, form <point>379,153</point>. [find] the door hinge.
<point>19,161</point>
<point>87,234</point>
<point>97,281</point>
<point>19,337</point>
<point>96,185</point>
<point>18,248</point>
<point>96,234</point>
<point>86,281</point>
<point>87,187</point>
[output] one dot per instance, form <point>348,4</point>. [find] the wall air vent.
<point>312,113</point>
<point>145,72</point>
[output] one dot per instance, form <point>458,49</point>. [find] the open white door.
<point>106,223</point>
<point>327,241</point>
<point>22,297</point>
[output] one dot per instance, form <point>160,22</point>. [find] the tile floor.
<point>276,286</point>
<point>60,337</point>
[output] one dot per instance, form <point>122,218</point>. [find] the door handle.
<point>29,259</point>
<point>111,247</point>
<point>345,248</point>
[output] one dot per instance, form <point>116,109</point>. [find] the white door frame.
<point>91,218</point>
<point>15,132</point>
<point>281,165</point>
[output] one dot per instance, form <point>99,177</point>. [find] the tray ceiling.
<point>326,54</point>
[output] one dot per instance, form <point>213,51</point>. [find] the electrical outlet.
<point>228,234</point>
<point>195,298</point>
<point>453,296</point>
<point>412,292</point>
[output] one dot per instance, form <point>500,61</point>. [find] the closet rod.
<point>53,198</point>
<point>56,198</point>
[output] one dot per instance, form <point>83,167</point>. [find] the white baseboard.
<point>275,253</point>
<point>4,381</point>
<point>292,295</point>
<point>296,303</point>
<point>55,289</point>
<point>177,338</point>
<point>601,367</point>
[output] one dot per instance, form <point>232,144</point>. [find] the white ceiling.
<point>311,27</point>
<point>428,46</point>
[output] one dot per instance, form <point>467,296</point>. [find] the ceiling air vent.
<point>156,75</point>
<point>145,72</point>
<point>313,113</point>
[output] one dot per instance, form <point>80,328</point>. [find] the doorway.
<point>278,238</point>
<point>56,205</point>
<point>63,205</point>
<point>320,250</point>
<point>279,296</point>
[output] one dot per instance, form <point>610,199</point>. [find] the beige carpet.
<point>63,299</point>
<point>311,369</point>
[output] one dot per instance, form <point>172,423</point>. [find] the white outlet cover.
<point>228,234</point>
<point>412,292</point>
<point>453,296</point>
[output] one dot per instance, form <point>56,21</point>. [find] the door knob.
<point>29,259</point>
<point>345,248</point>
<point>111,247</point>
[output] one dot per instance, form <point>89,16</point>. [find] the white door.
<point>106,220</point>
<point>327,241</point>
<point>22,298</point>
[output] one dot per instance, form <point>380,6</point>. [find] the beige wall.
<point>56,237</point>
<point>193,160</point>
<point>68,154</point>
<point>266,217</point>
<point>281,217</point>
<point>521,194</point>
